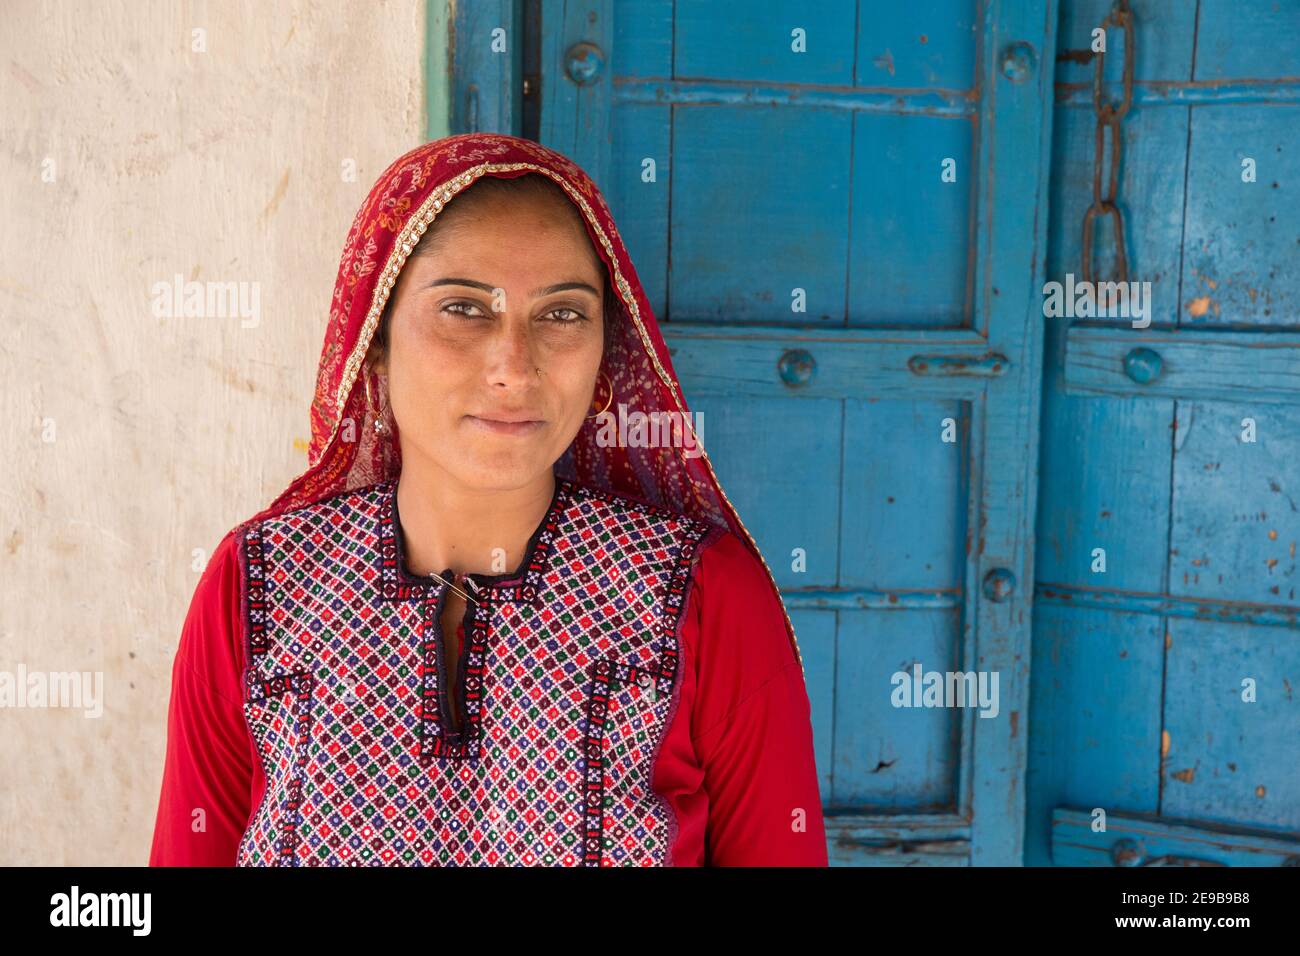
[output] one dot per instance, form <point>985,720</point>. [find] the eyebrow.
<point>546,290</point>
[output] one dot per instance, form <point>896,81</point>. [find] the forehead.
<point>526,232</point>
<point>494,207</point>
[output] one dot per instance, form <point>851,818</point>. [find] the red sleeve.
<point>207,781</point>
<point>751,723</point>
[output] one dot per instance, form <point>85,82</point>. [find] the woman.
<point>474,631</point>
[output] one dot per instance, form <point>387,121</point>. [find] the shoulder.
<point>731,583</point>
<point>738,612</point>
<point>218,596</point>
<point>651,518</point>
<point>729,570</point>
<point>724,566</point>
<point>320,530</point>
<point>363,499</point>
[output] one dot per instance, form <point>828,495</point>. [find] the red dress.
<point>736,764</point>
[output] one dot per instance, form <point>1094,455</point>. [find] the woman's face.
<point>508,289</point>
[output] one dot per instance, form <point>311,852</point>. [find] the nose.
<point>512,360</point>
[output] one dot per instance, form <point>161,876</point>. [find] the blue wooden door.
<point>1166,653</point>
<point>839,213</point>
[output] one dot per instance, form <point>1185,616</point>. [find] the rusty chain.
<point>1109,115</point>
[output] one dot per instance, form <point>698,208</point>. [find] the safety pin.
<point>441,580</point>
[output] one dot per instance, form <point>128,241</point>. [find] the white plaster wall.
<point>131,441</point>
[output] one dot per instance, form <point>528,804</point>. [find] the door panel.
<point>1235,519</point>
<point>1163,678</point>
<point>912,496</point>
<point>742,40</point>
<point>907,268</point>
<point>1231,762</point>
<point>1241,250</point>
<point>779,449</point>
<point>749,225</point>
<point>1096,712</point>
<point>885,756</point>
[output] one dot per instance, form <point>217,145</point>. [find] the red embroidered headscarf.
<point>347,453</point>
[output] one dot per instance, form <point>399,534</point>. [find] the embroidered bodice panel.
<point>568,681</point>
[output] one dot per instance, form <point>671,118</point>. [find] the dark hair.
<point>528,186</point>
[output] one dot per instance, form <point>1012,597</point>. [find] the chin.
<point>501,472</point>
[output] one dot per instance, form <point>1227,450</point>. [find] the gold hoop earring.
<point>381,428</point>
<point>607,401</point>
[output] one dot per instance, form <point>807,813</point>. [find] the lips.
<point>506,423</point>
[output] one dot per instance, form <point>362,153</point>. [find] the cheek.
<point>418,395</point>
<point>424,366</point>
<point>573,373</point>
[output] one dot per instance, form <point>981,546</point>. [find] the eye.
<point>567,316</point>
<point>459,308</point>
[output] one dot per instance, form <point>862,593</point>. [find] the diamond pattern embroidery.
<point>572,673</point>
